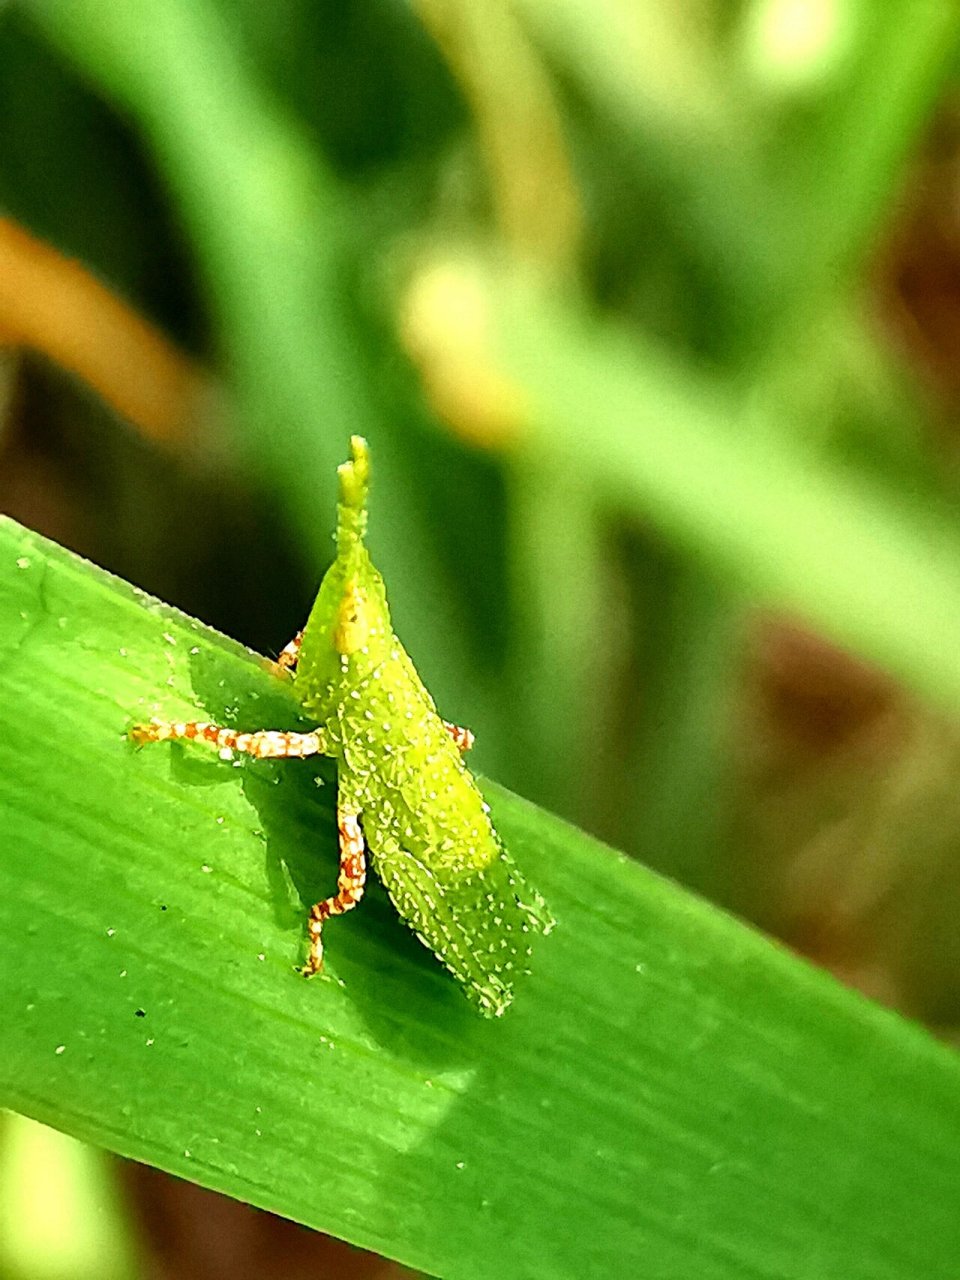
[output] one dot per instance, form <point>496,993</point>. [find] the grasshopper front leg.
<point>264,744</point>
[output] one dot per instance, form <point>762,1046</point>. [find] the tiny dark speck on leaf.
<point>140,1013</point>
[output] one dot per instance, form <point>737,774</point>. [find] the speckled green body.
<point>427,828</point>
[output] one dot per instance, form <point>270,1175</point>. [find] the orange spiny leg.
<point>264,744</point>
<point>463,738</point>
<point>289,656</point>
<point>350,882</point>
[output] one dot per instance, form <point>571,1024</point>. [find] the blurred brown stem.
<point>53,305</point>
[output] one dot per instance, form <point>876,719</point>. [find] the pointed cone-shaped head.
<point>348,632</point>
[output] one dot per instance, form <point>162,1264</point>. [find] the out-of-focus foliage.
<point>59,1213</point>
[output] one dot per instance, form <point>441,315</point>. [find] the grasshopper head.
<point>348,632</point>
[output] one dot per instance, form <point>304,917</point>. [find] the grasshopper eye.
<point>353,621</point>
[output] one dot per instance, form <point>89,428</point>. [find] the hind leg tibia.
<point>350,884</point>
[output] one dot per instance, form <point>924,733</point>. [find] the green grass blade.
<point>783,181</point>
<point>680,761</point>
<point>670,1096</point>
<point>835,165</point>
<point>873,568</point>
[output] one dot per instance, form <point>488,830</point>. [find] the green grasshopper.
<point>402,785</point>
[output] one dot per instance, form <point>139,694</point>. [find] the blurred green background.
<point>650,316</point>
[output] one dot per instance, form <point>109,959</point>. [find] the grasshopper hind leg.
<point>350,886</point>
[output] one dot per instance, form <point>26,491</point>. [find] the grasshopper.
<point>403,790</point>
